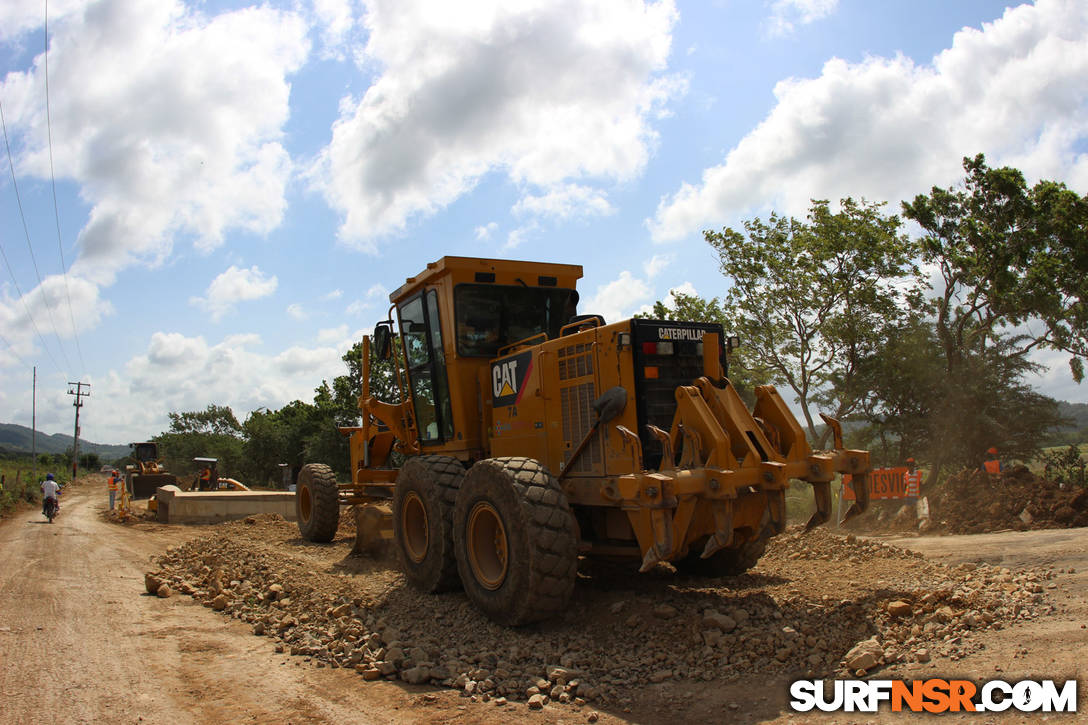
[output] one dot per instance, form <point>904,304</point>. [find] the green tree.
<point>210,433</point>
<point>1009,259</point>
<point>1007,255</point>
<point>813,300</point>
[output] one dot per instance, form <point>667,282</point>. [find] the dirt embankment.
<point>818,604</point>
<point>976,502</point>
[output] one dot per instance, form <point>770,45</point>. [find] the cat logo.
<point>508,378</point>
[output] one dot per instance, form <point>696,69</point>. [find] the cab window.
<point>421,334</point>
<point>491,316</point>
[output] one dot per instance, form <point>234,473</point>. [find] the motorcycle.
<point>51,508</point>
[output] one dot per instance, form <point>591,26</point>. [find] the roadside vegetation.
<point>19,483</point>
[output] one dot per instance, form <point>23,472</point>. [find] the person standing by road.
<point>113,488</point>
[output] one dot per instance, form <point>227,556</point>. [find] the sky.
<point>209,202</point>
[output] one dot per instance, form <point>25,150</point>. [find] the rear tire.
<point>317,503</point>
<point>423,521</point>
<point>516,541</point>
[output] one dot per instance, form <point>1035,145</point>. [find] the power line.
<point>18,198</point>
<point>12,348</point>
<point>27,308</point>
<point>56,208</point>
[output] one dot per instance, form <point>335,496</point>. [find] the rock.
<point>416,675</point>
<point>714,620</point>
<point>342,611</point>
<point>369,672</point>
<point>864,656</point>
<point>593,716</point>
<point>152,583</point>
<point>944,614</point>
<point>900,608</point>
<point>617,607</point>
<point>739,615</point>
<point>537,702</point>
<point>220,602</point>
<point>1026,516</point>
<point>163,591</point>
<point>633,621</point>
<point>665,611</point>
<point>921,655</point>
<point>258,628</point>
<point>660,675</point>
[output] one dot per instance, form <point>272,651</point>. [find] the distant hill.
<point>1077,412</point>
<point>17,438</point>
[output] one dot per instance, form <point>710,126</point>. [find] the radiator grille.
<point>578,418</point>
<point>575,361</point>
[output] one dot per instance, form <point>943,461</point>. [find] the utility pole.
<point>78,403</point>
<point>34,423</point>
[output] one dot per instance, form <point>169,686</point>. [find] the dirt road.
<point>81,642</point>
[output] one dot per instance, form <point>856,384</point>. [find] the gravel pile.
<point>818,604</point>
<point>973,502</point>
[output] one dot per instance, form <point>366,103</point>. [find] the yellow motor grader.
<point>146,473</point>
<point>529,435</point>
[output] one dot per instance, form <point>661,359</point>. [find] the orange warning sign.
<point>884,483</point>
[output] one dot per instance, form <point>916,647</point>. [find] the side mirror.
<point>383,340</point>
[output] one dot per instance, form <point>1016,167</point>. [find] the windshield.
<point>492,316</point>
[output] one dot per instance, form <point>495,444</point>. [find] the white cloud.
<point>295,311</point>
<point>179,373</point>
<point>686,288</point>
<point>517,237</point>
<point>232,286</point>
<point>484,232</point>
<point>336,20</point>
<point>541,91</point>
<point>333,295</point>
<point>45,310</point>
<point>168,119</point>
<point>373,302</point>
<point>784,13</point>
<point>332,334</point>
<point>656,264</point>
<point>565,201</point>
<point>889,128</point>
<point>618,299</point>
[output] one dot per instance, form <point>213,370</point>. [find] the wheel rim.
<point>305,505</point>
<point>413,524</point>
<point>487,545</point>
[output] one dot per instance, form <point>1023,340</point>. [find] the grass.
<point>20,485</point>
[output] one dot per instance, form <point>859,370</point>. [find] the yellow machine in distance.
<point>146,473</point>
<point>532,435</point>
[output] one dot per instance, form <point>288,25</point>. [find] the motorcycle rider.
<point>50,490</point>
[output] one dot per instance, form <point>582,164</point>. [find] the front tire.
<point>423,521</point>
<point>516,541</point>
<point>317,503</point>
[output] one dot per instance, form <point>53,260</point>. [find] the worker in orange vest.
<point>206,479</point>
<point>113,482</point>
<point>913,480</point>
<point>993,463</point>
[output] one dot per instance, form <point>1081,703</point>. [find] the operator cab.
<point>454,318</point>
